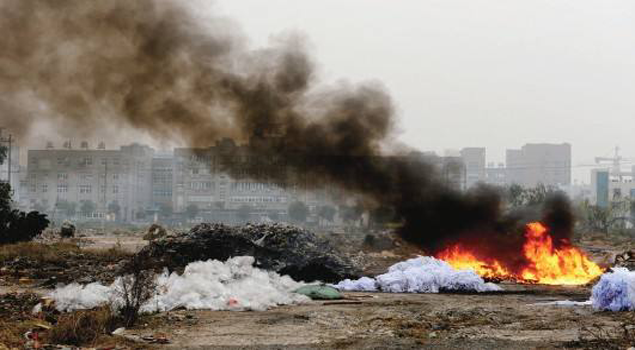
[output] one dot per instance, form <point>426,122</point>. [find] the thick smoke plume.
<point>153,65</point>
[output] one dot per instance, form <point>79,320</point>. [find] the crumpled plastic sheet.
<point>615,291</point>
<point>78,297</point>
<point>232,285</point>
<point>420,275</point>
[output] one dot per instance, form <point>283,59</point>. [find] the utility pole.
<point>8,140</point>
<point>9,159</point>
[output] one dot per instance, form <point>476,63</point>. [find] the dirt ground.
<point>507,320</point>
<point>504,320</point>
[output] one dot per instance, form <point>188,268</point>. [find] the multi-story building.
<point>533,164</point>
<point>97,182</point>
<point>162,182</point>
<point>450,169</point>
<point>474,160</point>
<point>610,186</point>
<point>219,180</point>
<point>496,174</point>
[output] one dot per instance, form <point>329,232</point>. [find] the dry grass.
<point>83,327</point>
<point>12,332</point>
<point>608,338</point>
<point>46,253</point>
<point>111,254</point>
<point>57,252</point>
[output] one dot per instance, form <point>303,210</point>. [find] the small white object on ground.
<point>564,303</point>
<point>423,274</point>
<point>232,285</point>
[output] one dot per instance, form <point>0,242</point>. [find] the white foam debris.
<point>615,291</point>
<point>564,303</point>
<point>232,285</point>
<point>77,297</point>
<point>423,274</point>
<point>364,284</point>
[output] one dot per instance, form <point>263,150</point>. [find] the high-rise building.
<point>541,163</point>
<point>474,160</point>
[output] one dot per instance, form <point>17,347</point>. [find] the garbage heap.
<point>626,259</point>
<point>285,249</point>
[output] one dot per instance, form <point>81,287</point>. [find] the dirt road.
<point>431,321</point>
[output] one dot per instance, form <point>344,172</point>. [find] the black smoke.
<point>153,65</point>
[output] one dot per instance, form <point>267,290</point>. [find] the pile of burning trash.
<point>284,249</point>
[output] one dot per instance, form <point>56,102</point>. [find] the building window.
<point>45,188</point>
<point>62,176</point>
<point>62,188</point>
<point>85,189</point>
<point>115,189</point>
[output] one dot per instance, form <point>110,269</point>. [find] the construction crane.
<point>616,163</point>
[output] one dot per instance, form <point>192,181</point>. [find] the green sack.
<point>319,292</point>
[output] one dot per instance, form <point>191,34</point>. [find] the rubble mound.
<point>67,230</point>
<point>155,231</point>
<point>285,249</point>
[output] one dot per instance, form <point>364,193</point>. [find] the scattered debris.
<point>420,275</point>
<point>564,303</point>
<point>155,231</point>
<point>615,291</point>
<point>47,265</point>
<point>285,249</point>
<point>626,260</point>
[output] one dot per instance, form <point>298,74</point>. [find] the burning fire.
<point>566,265</point>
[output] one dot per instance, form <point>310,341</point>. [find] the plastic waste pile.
<point>615,291</point>
<point>285,249</point>
<point>232,285</point>
<point>420,275</point>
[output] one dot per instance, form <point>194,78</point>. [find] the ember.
<point>544,262</point>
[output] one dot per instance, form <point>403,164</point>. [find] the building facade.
<point>474,160</point>
<point>97,183</point>
<point>533,164</point>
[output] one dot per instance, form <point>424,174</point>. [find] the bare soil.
<point>506,320</point>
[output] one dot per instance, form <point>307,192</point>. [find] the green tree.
<point>351,213</point>
<point>595,218</point>
<point>244,211</point>
<point>298,211</point>
<point>327,212</point>
<point>191,211</point>
<point>87,207</point>
<point>15,225</point>
<point>3,153</point>
<point>519,196</point>
<point>382,215</point>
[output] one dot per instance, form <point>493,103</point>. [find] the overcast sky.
<point>490,73</point>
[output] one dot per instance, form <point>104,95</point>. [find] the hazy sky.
<point>494,73</point>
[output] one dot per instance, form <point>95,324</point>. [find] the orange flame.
<point>546,264</point>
